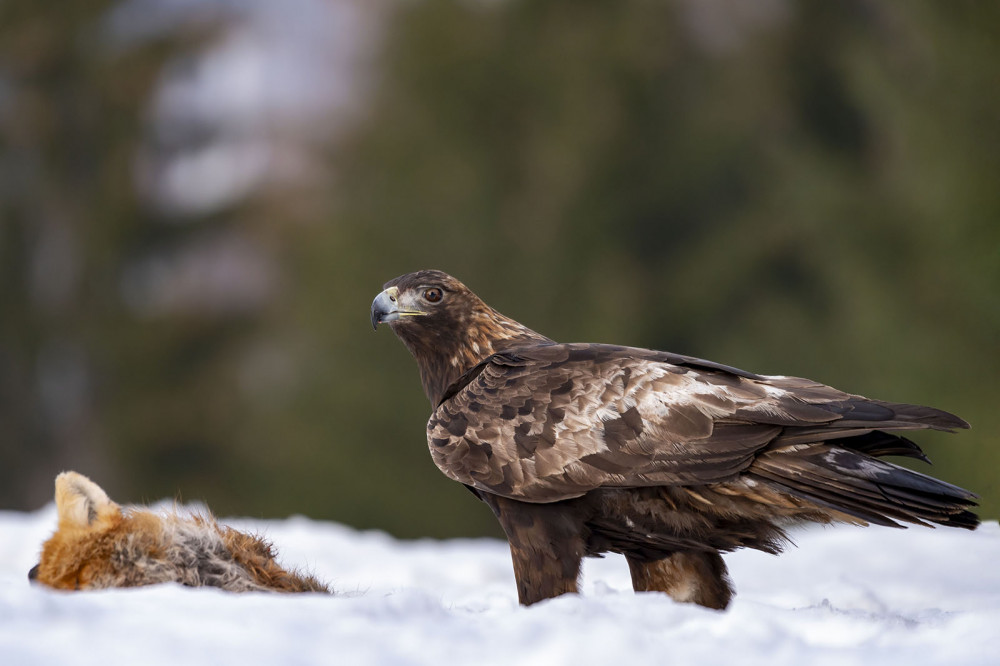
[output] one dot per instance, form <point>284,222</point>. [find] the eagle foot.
<point>691,577</point>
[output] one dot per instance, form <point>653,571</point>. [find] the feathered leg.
<point>694,577</point>
<point>545,546</point>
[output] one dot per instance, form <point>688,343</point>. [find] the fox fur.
<point>100,544</point>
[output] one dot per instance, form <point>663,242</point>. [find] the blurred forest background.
<point>200,198</point>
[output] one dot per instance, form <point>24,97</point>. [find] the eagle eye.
<point>433,295</point>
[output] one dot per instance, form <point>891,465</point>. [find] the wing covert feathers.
<point>546,422</point>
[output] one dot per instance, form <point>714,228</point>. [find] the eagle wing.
<point>548,422</point>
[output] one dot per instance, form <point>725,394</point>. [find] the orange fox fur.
<point>99,544</point>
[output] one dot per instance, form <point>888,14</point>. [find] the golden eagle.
<point>582,449</point>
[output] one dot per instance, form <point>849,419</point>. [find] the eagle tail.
<point>879,443</point>
<point>845,475</point>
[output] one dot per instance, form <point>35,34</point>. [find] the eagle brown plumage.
<point>582,449</point>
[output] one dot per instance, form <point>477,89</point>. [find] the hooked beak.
<point>386,308</point>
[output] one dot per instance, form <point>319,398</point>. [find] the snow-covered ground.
<point>844,596</point>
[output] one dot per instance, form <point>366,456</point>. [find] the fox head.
<point>85,512</point>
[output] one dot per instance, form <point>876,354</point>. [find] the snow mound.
<point>845,595</point>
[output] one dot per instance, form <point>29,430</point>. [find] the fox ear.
<point>79,501</point>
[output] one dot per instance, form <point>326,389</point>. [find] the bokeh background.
<point>200,198</point>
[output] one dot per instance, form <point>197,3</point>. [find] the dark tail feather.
<point>857,411</point>
<point>878,444</point>
<point>921,416</point>
<point>851,481</point>
<point>862,426</point>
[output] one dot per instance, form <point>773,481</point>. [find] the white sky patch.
<point>256,104</point>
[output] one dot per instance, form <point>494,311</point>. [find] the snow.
<point>845,595</point>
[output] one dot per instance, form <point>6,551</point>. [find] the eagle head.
<point>447,328</point>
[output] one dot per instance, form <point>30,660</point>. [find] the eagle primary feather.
<point>588,448</point>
